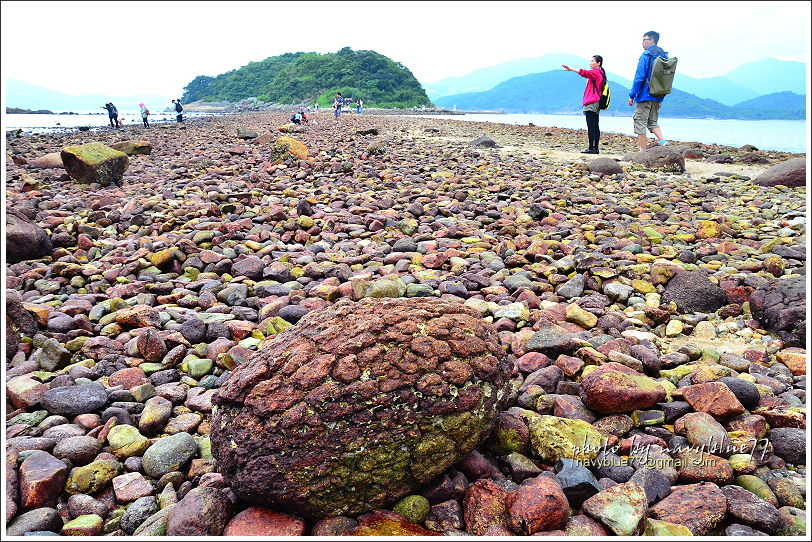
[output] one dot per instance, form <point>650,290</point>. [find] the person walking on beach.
<point>178,110</point>
<point>112,112</point>
<point>144,114</point>
<point>646,105</point>
<point>596,77</point>
<point>359,106</point>
<point>337,104</point>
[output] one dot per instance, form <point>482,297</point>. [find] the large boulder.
<point>780,307</point>
<point>791,173</point>
<point>604,165</point>
<point>95,163</point>
<point>25,240</point>
<point>18,321</point>
<point>660,158</point>
<point>287,147</point>
<point>358,405</point>
<point>692,291</point>
<point>133,147</point>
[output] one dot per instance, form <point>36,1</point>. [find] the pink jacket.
<point>592,92</point>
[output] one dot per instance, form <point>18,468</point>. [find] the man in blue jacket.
<point>647,108</point>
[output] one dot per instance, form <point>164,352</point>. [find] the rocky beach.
<point>402,326</point>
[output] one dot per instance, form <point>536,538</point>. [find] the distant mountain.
<point>769,75</point>
<point>24,95</point>
<point>296,78</point>
<point>561,92</point>
<point>743,83</point>
<point>721,89</point>
<point>487,78</point>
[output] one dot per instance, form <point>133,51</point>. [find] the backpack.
<point>147,111</point>
<point>662,76</point>
<point>178,107</point>
<point>605,95</point>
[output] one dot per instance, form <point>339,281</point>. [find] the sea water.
<point>45,123</point>
<point>768,135</point>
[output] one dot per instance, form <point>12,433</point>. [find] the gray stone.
<point>73,400</point>
<point>169,454</point>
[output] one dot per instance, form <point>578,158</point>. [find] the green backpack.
<point>662,76</point>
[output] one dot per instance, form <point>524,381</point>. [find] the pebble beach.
<point>654,313</point>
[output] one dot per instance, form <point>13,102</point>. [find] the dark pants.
<point>146,124</point>
<point>113,121</point>
<point>180,117</point>
<point>592,129</point>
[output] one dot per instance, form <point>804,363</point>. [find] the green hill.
<point>560,92</point>
<point>313,77</point>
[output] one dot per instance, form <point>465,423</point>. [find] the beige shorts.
<point>645,116</point>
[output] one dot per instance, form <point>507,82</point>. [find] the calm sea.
<point>776,135</point>
<point>52,123</point>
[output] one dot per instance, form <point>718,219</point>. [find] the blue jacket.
<point>639,91</point>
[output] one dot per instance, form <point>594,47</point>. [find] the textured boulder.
<point>18,321</point>
<point>133,147</point>
<point>692,291</point>
<point>780,306</point>
<point>25,240</point>
<point>604,165</point>
<point>359,404</point>
<point>791,173</point>
<point>663,158</point>
<point>287,147</point>
<point>95,163</point>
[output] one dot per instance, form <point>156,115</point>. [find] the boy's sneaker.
<point>662,142</point>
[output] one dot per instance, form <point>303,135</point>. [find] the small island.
<point>18,111</point>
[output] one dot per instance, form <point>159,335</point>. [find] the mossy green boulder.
<point>133,147</point>
<point>359,405</point>
<point>86,525</point>
<point>95,163</point>
<point>92,477</point>
<point>126,441</point>
<point>414,508</point>
<point>553,438</point>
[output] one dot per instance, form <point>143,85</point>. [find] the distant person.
<point>112,113</point>
<point>296,118</point>
<point>359,106</point>
<point>647,108</point>
<point>337,104</point>
<point>316,108</point>
<point>144,115</point>
<point>592,96</point>
<point>178,110</point>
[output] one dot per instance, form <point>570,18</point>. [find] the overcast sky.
<point>126,48</point>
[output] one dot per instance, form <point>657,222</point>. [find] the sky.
<point>127,48</point>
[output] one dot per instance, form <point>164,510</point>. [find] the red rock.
<point>696,466</point>
<point>433,261</point>
<point>484,506</point>
<point>138,316</point>
<point>24,391</point>
<point>613,388</point>
<point>539,504</point>
<point>714,398</point>
<point>570,365</point>
<point>151,345</point>
<point>257,521</point>
<point>129,378</point>
<point>700,507</point>
<point>498,530</point>
<point>533,361</point>
<point>581,525</point>
<point>795,359</point>
<point>131,486</point>
<point>42,478</point>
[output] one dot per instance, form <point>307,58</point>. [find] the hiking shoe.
<point>663,142</point>
<point>589,151</point>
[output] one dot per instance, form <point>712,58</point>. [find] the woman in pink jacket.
<point>595,77</point>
